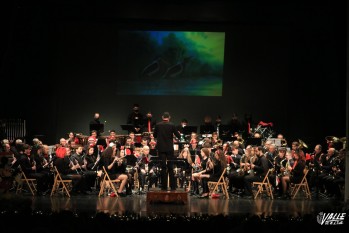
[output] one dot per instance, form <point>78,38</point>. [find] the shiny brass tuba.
<point>302,144</point>
<point>332,139</point>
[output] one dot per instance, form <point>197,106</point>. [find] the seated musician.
<point>212,172</point>
<point>336,179</point>
<point>92,165</point>
<point>237,173</point>
<point>196,176</point>
<point>260,168</point>
<point>296,173</point>
<point>131,160</point>
<point>146,169</point>
<point>187,167</point>
<point>70,171</point>
<point>80,157</point>
<point>111,137</point>
<point>115,165</point>
<point>72,139</point>
<point>280,162</point>
<point>6,175</point>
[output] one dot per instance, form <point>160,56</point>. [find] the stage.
<point>90,212</point>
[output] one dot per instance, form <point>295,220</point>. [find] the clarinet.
<point>97,160</point>
<point>72,163</point>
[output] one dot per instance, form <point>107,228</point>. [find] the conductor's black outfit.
<point>164,132</point>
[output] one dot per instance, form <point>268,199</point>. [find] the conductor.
<point>164,132</point>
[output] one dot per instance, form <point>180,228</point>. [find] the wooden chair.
<point>264,186</point>
<point>60,185</point>
<point>303,184</point>
<point>213,185</point>
<point>29,182</point>
<point>108,184</point>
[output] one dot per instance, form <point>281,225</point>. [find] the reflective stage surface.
<point>237,214</point>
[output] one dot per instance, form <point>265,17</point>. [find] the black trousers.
<point>167,160</point>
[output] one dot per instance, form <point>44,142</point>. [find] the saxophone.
<point>252,161</point>
<point>287,172</point>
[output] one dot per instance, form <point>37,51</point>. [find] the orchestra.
<point>247,159</point>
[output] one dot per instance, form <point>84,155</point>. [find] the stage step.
<point>160,196</point>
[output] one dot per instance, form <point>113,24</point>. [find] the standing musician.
<point>135,118</point>
<point>148,123</point>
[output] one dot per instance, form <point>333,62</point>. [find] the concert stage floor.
<point>236,214</point>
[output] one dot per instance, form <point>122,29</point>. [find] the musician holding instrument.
<point>79,157</point>
<point>296,173</point>
<point>70,171</point>
<point>237,173</point>
<point>315,168</point>
<point>279,168</point>
<point>146,169</point>
<point>335,181</point>
<point>326,165</point>
<point>214,168</point>
<point>260,168</point>
<point>187,167</point>
<point>201,168</point>
<point>115,165</point>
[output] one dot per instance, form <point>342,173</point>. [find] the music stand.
<point>187,130</point>
<point>253,141</point>
<point>98,127</point>
<point>127,127</point>
<point>206,129</point>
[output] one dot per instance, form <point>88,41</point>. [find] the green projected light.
<point>170,63</point>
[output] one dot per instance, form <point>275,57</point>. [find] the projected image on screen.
<point>170,63</point>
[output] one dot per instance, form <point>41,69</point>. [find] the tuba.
<point>302,144</point>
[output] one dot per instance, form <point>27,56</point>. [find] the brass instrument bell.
<point>332,139</point>
<point>302,144</point>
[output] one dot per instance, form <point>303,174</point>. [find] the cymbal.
<point>343,139</point>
